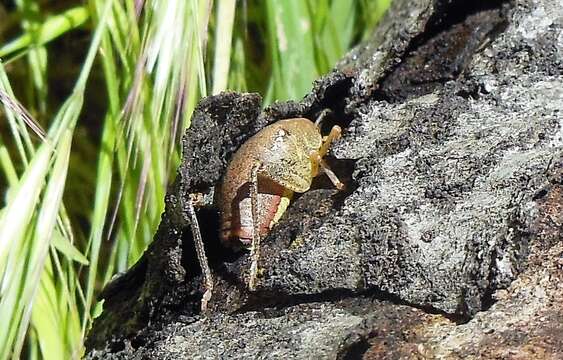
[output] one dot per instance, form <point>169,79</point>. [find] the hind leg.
<point>255,250</point>
<point>202,258</point>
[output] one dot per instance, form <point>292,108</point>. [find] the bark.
<point>447,239</point>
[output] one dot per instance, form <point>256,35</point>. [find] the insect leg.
<point>334,135</point>
<point>317,162</point>
<point>255,251</point>
<point>202,258</point>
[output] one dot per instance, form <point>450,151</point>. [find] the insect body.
<point>279,160</point>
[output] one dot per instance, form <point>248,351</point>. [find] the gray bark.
<point>446,242</point>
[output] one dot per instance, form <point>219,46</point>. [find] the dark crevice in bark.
<point>452,36</point>
<point>355,350</point>
<point>329,95</point>
<point>273,304</point>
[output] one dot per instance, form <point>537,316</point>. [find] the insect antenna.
<point>321,117</point>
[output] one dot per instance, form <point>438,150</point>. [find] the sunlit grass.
<point>153,64</point>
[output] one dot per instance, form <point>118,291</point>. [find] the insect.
<point>259,182</point>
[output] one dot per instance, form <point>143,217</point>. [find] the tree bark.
<point>447,239</point>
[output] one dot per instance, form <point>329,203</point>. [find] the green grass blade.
<point>338,31</point>
<point>46,318</point>
<point>15,120</point>
<point>44,229</point>
<point>50,30</point>
<point>20,209</point>
<point>8,167</point>
<point>25,214</point>
<point>223,39</point>
<point>294,45</point>
<point>37,55</point>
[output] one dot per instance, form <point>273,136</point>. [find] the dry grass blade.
<point>18,109</point>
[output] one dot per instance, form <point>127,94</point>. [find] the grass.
<point>96,97</point>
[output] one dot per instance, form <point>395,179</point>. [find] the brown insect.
<point>279,160</point>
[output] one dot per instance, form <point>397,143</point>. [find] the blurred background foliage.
<point>96,95</point>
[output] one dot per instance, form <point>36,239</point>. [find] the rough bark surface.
<point>446,243</point>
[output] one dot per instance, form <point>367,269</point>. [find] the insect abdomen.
<point>237,221</point>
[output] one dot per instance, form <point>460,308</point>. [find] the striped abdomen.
<point>236,211</point>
